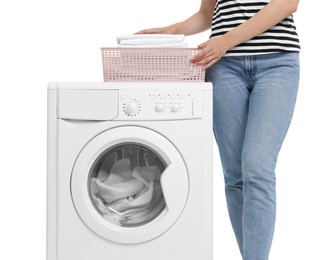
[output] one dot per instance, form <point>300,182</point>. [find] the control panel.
<point>159,104</point>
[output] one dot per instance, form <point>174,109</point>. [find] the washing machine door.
<point>129,184</point>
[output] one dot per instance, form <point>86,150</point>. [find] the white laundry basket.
<point>150,64</point>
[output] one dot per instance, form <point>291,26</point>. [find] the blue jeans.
<point>253,103</point>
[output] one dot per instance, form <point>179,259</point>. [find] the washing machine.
<point>129,171</point>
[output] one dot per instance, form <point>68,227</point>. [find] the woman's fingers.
<point>199,56</point>
<point>210,63</point>
<point>211,51</point>
<point>206,61</point>
<point>203,56</point>
<point>158,30</point>
<point>150,31</point>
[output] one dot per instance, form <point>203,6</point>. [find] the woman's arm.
<point>273,13</point>
<point>196,23</point>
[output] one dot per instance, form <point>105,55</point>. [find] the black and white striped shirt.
<point>230,13</point>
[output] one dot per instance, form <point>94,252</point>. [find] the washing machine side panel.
<point>207,180</point>
<point>51,236</point>
<point>199,208</point>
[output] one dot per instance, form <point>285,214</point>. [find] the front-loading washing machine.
<point>129,171</point>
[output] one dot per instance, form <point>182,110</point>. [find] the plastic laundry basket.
<point>150,64</point>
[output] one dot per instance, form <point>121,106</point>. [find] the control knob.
<point>159,107</point>
<point>175,107</point>
<point>131,108</point>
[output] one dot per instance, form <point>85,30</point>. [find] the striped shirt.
<point>230,13</point>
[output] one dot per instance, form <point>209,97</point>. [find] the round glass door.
<point>129,184</point>
<point>124,184</point>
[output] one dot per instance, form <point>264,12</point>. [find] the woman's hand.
<point>211,51</point>
<point>160,30</point>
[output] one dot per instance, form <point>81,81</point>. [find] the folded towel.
<point>151,41</point>
<point>170,45</point>
<point>139,42</point>
<point>179,37</point>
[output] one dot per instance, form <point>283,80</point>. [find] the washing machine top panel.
<point>129,184</point>
<point>128,85</point>
<point>130,101</point>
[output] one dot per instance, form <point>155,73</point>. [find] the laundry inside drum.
<point>124,184</point>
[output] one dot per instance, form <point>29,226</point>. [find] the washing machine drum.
<point>129,184</point>
<point>125,185</point>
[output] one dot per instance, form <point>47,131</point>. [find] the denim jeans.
<point>253,103</point>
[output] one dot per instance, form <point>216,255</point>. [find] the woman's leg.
<point>271,103</point>
<point>230,110</point>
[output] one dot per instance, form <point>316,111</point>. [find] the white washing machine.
<point>129,171</point>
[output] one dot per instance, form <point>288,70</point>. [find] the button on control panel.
<point>160,104</point>
<point>168,103</point>
<point>132,107</point>
<point>159,107</point>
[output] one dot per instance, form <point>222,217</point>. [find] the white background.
<point>44,41</point>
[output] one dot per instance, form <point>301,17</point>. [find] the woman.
<point>252,59</point>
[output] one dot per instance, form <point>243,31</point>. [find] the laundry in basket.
<point>151,41</point>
